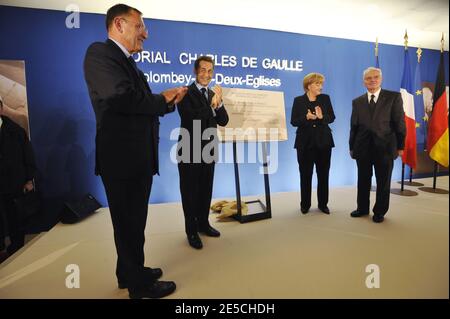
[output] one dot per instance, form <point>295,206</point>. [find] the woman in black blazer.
<point>311,114</point>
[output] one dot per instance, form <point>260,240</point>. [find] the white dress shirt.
<point>377,94</point>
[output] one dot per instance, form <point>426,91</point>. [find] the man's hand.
<point>170,94</point>
<point>174,95</point>
<point>319,112</point>
<point>180,94</point>
<point>217,98</point>
<point>310,116</point>
<point>28,187</point>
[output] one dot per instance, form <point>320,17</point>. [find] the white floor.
<point>288,256</point>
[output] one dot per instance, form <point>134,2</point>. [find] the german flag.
<point>437,140</point>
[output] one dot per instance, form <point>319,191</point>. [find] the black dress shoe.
<point>357,213</point>
<point>325,209</point>
<point>158,289</point>
<point>209,231</point>
<point>150,275</point>
<point>304,210</point>
<point>378,218</point>
<point>195,241</point>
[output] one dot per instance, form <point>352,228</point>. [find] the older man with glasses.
<point>127,115</point>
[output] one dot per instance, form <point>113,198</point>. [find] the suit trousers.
<point>14,226</point>
<point>307,158</point>
<point>128,206</point>
<point>196,185</point>
<point>383,172</point>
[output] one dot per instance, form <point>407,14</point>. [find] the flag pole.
<point>377,61</point>
<point>376,47</point>
<point>435,163</point>
<point>434,189</point>
<point>434,175</point>
<point>410,175</point>
<point>402,191</point>
<point>419,55</point>
<point>402,188</point>
<point>411,170</point>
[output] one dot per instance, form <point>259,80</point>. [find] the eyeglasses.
<point>139,26</point>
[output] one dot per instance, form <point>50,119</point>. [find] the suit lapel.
<point>119,53</point>
<point>378,105</point>
<point>137,74</point>
<point>365,106</point>
<point>197,94</point>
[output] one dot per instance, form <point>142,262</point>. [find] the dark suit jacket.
<point>384,134</point>
<point>194,107</point>
<point>312,133</point>
<point>17,165</point>
<point>126,112</point>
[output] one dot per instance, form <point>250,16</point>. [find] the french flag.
<point>407,91</point>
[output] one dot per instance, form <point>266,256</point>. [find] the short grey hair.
<point>370,69</point>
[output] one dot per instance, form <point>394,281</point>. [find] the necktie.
<point>372,105</point>
<point>204,94</point>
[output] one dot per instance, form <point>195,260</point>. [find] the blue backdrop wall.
<point>63,124</point>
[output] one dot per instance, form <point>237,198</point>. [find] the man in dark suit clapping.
<point>377,137</point>
<point>200,111</point>
<point>127,114</point>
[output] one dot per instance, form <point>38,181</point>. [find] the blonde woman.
<point>311,114</point>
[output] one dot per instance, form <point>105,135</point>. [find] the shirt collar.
<point>200,87</point>
<point>125,51</point>
<point>377,94</point>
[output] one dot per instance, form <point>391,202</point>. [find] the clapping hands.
<point>217,98</point>
<point>319,113</point>
<point>310,115</point>
<point>174,95</point>
<point>316,115</point>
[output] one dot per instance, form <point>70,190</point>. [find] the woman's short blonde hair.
<point>312,78</point>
